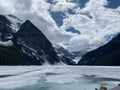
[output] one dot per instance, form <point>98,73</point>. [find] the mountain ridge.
<point>27,46</point>
<point>23,41</point>
<point>108,55</point>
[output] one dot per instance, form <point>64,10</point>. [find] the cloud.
<point>23,4</point>
<point>78,43</point>
<point>104,22</point>
<point>38,12</point>
<point>94,21</point>
<point>62,5</point>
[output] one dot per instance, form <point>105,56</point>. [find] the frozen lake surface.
<point>58,77</point>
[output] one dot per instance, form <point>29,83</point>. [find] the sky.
<point>77,25</point>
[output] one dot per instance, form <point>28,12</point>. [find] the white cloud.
<point>94,21</point>
<point>4,5</point>
<point>63,5</point>
<point>37,12</point>
<point>105,22</point>
<point>78,43</point>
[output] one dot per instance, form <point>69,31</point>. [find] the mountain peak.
<point>10,21</point>
<point>28,24</point>
<point>4,19</point>
<point>30,28</point>
<point>32,37</point>
<point>28,21</point>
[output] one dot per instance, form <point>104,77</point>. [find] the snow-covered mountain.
<point>9,25</point>
<point>23,43</point>
<point>79,26</point>
<point>64,55</point>
<point>15,22</point>
<point>62,52</point>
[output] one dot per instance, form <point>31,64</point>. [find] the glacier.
<point>58,77</point>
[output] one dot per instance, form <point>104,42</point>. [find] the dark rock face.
<point>30,46</point>
<point>32,37</point>
<point>3,19</point>
<point>108,54</point>
<point>65,56</point>
<point>5,30</point>
<point>63,52</point>
<point>14,56</point>
<point>67,61</point>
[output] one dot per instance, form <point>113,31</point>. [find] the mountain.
<point>108,54</point>
<point>9,25</point>
<point>23,43</point>
<point>65,56</point>
<point>32,37</point>
<point>63,52</point>
<point>15,22</point>
<point>5,29</point>
<point>14,55</point>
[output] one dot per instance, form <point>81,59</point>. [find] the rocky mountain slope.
<point>108,54</point>
<point>64,55</point>
<point>24,43</point>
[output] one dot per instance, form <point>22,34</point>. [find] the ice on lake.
<point>58,77</point>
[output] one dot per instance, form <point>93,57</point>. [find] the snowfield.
<point>57,77</point>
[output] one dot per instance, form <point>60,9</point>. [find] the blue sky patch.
<point>81,3</point>
<point>58,17</point>
<point>73,30</point>
<point>51,1</point>
<point>72,12</point>
<point>113,4</point>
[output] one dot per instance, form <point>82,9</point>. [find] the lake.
<point>58,77</point>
